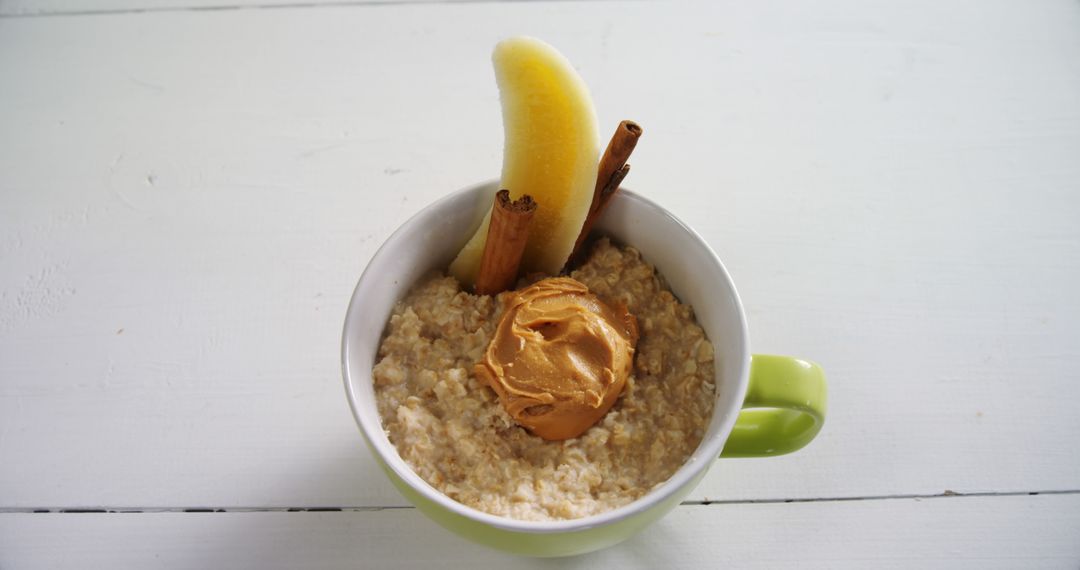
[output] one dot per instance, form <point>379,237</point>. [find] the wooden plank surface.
<point>187,198</point>
<point>969,532</point>
<point>894,189</point>
<point>45,8</point>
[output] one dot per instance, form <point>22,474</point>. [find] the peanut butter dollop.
<point>559,357</point>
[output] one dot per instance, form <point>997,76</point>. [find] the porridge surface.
<point>450,428</point>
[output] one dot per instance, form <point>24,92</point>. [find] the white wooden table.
<point>189,190</point>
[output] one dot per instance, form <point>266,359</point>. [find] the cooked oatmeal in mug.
<point>449,426</point>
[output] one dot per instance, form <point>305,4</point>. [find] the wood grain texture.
<point>978,533</point>
<point>187,199</point>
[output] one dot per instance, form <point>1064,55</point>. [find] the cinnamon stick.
<point>611,172</point>
<point>507,234</point>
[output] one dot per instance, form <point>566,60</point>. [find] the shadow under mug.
<point>766,405</point>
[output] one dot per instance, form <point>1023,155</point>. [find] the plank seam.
<point>235,7</point>
<point>946,494</point>
<point>125,510</point>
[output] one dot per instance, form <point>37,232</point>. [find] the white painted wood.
<point>187,199</point>
<point>979,533</point>
<point>37,8</point>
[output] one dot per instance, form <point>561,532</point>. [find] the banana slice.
<point>551,152</point>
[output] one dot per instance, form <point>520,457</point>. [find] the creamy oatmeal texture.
<point>450,428</point>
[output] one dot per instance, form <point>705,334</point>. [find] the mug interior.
<point>430,240</point>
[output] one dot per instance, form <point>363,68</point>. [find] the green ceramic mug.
<point>765,405</point>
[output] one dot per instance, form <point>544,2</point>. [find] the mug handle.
<point>784,407</point>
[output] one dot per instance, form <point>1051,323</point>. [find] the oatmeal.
<point>450,428</point>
